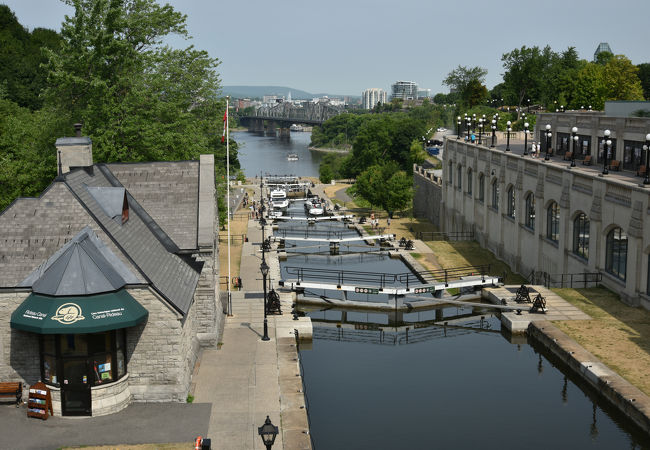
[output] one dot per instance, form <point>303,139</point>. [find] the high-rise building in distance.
<point>406,90</point>
<point>373,96</point>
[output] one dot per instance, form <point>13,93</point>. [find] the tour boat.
<point>279,199</point>
<point>296,127</point>
<point>292,157</point>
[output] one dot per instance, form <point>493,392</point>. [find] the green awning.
<point>77,315</point>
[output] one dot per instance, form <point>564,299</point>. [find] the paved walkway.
<point>247,378</point>
<point>140,423</point>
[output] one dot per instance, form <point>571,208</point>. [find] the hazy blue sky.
<point>345,46</point>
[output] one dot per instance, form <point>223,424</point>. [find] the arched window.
<point>530,211</point>
<point>511,202</point>
<point>495,194</point>
<point>481,187</point>
<point>459,174</point>
<point>469,181</point>
<point>581,235</point>
<point>451,173</point>
<point>553,222</point>
<point>616,253</point>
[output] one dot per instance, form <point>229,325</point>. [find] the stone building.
<point>546,217</point>
<point>108,281</point>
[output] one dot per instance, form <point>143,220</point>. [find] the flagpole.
<point>228,201</point>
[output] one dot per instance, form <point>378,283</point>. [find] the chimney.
<point>74,151</point>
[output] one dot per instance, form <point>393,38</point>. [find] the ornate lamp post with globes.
<point>646,147</point>
<point>526,125</point>
<point>606,144</point>
<point>574,138</point>
<point>548,141</point>
<point>494,132</point>
<point>508,130</point>
<point>458,127</point>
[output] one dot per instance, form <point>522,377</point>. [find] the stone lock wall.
<point>427,200</point>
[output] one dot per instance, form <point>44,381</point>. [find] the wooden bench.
<point>568,156</point>
<point>587,160</point>
<point>615,165</point>
<point>12,389</point>
<point>641,172</point>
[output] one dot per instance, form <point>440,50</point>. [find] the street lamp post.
<point>526,125</point>
<point>480,130</point>
<point>458,127</point>
<point>468,123</point>
<point>548,141</point>
<point>264,268</point>
<point>268,432</point>
<point>508,130</point>
<point>494,132</point>
<point>606,144</point>
<point>574,138</point>
<point>646,180</point>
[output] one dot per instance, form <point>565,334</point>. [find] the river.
<point>268,155</point>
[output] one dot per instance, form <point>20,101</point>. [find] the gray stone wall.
<point>428,196</point>
<point>606,201</point>
<point>161,352</point>
<point>19,352</point>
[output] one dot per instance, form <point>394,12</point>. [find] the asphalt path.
<point>139,423</point>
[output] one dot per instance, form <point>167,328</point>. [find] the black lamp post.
<point>458,127</point>
<point>526,125</point>
<point>646,147</point>
<point>494,131</point>
<point>574,138</point>
<point>468,124</point>
<point>548,141</point>
<point>480,130</point>
<point>268,432</point>
<point>529,105</point>
<point>606,144</point>
<point>264,268</point>
<point>508,130</point>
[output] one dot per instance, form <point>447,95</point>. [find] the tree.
<point>644,76</point>
<point>21,58</point>
<point>417,153</point>
<point>590,88</point>
<point>523,71</point>
<point>621,79</point>
<point>465,81</point>
<point>137,98</point>
<point>385,185</point>
<point>474,93</point>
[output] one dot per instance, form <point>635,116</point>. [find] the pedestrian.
<point>388,222</point>
<point>533,150</point>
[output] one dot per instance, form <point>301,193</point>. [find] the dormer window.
<point>113,201</point>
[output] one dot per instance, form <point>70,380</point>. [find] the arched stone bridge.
<point>269,118</point>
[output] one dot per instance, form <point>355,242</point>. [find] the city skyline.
<point>321,48</point>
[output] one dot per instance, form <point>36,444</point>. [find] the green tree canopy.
<point>467,82</point>
<point>644,77</point>
<point>137,98</point>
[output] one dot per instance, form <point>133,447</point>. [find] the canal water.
<point>268,154</point>
<point>448,378</point>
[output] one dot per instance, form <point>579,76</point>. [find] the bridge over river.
<point>282,115</point>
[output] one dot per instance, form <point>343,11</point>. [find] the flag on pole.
<point>225,124</point>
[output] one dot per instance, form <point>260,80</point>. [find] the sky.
<point>345,46</point>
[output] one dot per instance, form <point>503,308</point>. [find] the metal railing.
<point>381,280</point>
<point>234,238</point>
<point>566,280</point>
<point>445,236</point>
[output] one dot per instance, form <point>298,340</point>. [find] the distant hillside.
<point>260,91</point>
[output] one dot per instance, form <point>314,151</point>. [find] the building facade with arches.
<point>544,217</point>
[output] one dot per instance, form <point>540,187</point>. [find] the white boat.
<point>315,208</point>
<point>292,157</point>
<point>279,199</point>
<point>296,127</point>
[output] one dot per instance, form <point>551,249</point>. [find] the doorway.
<point>75,388</point>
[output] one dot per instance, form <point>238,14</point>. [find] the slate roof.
<point>83,266</point>
<point>156,186</point>
<point>141,239</point>
<point>32,229</point>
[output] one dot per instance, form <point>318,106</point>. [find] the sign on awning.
<point>79,314</point>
